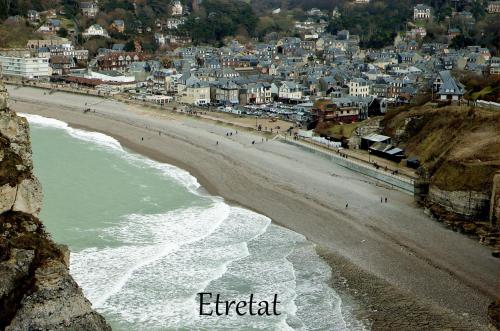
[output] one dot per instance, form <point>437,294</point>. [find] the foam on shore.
<point>150,280</point>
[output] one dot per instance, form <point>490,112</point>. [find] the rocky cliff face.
<point>459,154</point>
<point>36,290</point>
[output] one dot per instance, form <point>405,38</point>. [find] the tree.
<point>62,33</point>
<point>220,18</point>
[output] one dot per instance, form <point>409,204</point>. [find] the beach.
<point>401,268</point>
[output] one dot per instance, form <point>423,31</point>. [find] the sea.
<point>145,239</point>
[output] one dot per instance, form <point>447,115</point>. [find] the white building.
<point>95,30</point>
<point>494,7</point>
<point>421,12</point>
<point>290,91</point>
<point>111,76</point>
<point>174,23</point>
<point>359,87</point>
<point>25,66</point>
<point>176,8</point>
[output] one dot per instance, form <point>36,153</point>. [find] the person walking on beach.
<point>381,200</point>
<point>217,143</point>
<point>385,199</point>
<point>346,205</point>
<point>142,138</point>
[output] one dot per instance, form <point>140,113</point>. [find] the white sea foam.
<point>151,279</point>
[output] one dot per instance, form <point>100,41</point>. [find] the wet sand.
<point>401,269</point>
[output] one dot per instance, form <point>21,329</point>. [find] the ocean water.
<point>145,239</point>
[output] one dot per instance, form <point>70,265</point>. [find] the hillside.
<point>377,23</point>
<point>457,145</point>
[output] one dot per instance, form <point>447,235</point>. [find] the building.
<point>448,89</point>
<point>290,91</point>
<point>118,25</point>
<point>51,26</point>
<point>359,87</point>
<point>196,93</point>
<point>89,9</point>
<point>339,110</point>
<point>33,15</point>
<point>226,93</point>
<point>255,93</point>
<point>25,66</point>
<point>39,43</point>
<point>176,8</point>
<point>61,65</point>
<point>95,30</point>
<point>373,138</point>
<point>112,77</point>
<point>174,22</point>
<point>494,7</point>
<point>421,12</point>
<point>118,61</point>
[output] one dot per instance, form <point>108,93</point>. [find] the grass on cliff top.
<point>456,176</point>
<point>342,130</point>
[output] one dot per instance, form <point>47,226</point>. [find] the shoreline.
<point>385,304</point>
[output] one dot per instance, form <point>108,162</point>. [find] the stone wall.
<point>469,204</point>
<point>495,202</point>
<point>36,290</point>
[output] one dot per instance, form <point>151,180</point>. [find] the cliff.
<point>36,289</point>
<point>459,154</point>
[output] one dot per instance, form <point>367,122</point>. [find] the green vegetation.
<point>21,7</point>
<point>15,35</point>
<point>218,19</point>
<point>376,23</point>
<point>339,131</point>
<point>480,86</point>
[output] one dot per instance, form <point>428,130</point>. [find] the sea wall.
<point>36,290</point>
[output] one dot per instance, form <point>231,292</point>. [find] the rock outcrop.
<point>36,290</point>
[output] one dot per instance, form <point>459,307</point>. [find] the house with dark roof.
<point>448,88</point>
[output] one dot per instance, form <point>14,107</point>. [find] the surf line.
<point>241,308</point>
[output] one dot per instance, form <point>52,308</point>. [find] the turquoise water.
<point>144,241</point>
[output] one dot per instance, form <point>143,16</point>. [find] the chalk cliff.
<point>36,289</point>
<point>459,154</point>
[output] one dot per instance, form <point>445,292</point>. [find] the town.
<point>283,77</point>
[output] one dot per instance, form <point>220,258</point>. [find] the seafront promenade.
<point>356,160</point>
